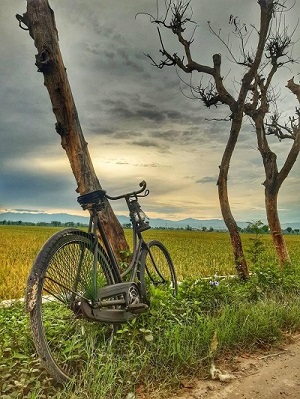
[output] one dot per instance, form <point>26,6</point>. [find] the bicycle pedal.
<point>137,308</point>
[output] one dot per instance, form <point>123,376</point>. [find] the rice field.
<point>194,253</point>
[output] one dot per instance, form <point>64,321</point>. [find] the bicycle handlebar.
<point>143,186</point>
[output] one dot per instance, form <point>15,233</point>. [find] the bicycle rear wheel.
<point>157,270</point>
<point>62,276</point>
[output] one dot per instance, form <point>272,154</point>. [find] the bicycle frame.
<point>138,244</point>
<point>120,293</point>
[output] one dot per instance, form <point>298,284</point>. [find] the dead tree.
<point>274,177</point>
<point>277,54</point>
<point>175,20</point>
<point>40,22</point>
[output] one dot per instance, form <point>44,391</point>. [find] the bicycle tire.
<point>156,270</point>
<point>55,287</point>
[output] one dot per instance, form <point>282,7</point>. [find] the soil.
<point>274,374</point>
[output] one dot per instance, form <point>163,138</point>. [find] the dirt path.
<point>274,375</point>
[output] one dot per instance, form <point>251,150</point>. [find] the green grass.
<point>153,353</point>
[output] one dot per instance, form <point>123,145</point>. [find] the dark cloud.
<point>122,113</point>
<point>165,134</point>
<point>149,143</point>
<point>38,189</point>
<point>151,115</point>
<point>99,129</point>
<point>122,110</point>
<point>148,165</point>
<point>130,60</point>
<point>177,116</point>
<point>122,163</point>
<point>121,100</point>
<point>144,104</point>
<point>192,137</point>
<point>139,165</point>
<point>136,110</point>
<point>207,179</point>
<point>126,135</point>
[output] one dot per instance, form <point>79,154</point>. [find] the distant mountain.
<point>216,224</point>
<point>43,217</point>
<point>65,218</point>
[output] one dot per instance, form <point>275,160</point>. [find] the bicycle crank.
<point>116,303</point>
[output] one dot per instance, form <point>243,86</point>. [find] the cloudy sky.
<point>138,120</point>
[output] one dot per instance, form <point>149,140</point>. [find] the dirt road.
<point>274,375</point>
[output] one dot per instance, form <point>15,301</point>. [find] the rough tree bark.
<point>39,20</point>
<point>235,237</point>
<point>272,185</point>
<point>274,178</point>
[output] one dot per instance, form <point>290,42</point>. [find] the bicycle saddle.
<point>95,198</point>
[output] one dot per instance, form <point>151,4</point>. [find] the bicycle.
<point>76,293</point>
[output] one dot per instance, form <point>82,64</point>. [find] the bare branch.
<point>178,20</point>
<point>243,34</point>
<point>288,130</point>
<point>226,119</point>
<point>209,95</point>
<point>294,88</point>
<point>278,47</point>
<point>23,19</point>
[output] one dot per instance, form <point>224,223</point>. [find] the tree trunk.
<point>272,185</point>
<point>40,21</point>
<point>236,242</point>
<point>275,228</point>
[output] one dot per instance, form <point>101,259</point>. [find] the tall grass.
<point>153,353</point>
<point>236,316</point>
<point>195,254</point>
<point>19,246</point>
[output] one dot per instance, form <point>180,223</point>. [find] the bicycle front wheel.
<point>62,276</point>
<point>157,271</point>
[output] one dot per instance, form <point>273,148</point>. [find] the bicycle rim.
<point>157,271</point>
<point>64,339</point>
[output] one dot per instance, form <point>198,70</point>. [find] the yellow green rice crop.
<point>194,253</point>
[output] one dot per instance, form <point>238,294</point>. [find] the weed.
<point>178,337</point>
<point>256,249</point>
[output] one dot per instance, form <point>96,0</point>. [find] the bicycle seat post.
<point>93,220</point>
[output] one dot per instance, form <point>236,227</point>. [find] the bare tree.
<point>277,54</point>
<point>177,16</point>
<point>40,22</point>
<point>274,177</point>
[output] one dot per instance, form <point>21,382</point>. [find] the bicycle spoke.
<point>60,330</point>
<point>157,271</point>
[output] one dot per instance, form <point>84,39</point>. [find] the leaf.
<point>17,355</point>
<point>144,330</point>
<point>149,337</point>
<point>18,384</point>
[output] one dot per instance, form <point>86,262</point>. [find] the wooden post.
<point>39,20</point>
